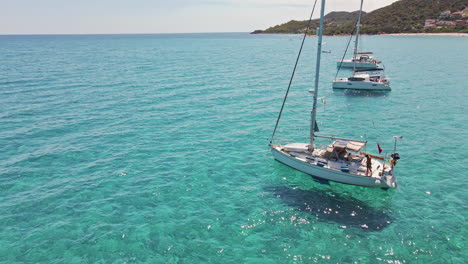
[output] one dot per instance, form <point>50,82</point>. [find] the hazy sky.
<point>158,16</point>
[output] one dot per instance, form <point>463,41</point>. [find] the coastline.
<point>384,34</point>
<point>427,34</point>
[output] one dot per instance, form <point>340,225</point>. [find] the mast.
<point>358,27</point>
<point>317,73</point>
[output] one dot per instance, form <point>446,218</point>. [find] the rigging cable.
<point>292,75</point>
<point>346,50</point>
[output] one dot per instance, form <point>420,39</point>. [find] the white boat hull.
<point>359,65</point>
<point>332,175</point>
<point>360,85</point>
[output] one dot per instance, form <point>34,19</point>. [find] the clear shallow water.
<point>153,148</point>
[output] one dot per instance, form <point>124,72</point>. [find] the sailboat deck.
<point>357,166</point>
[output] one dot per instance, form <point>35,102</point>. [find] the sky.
<point>159,16</point>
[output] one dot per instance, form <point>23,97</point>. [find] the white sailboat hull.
<point>332,175</point>
<point>359,65</point>
<point>344,83</point>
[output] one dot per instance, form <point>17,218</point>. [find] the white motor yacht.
<point>368,80</point>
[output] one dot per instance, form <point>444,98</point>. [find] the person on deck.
<point>369,166</point>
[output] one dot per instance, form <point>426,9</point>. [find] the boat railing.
<point>347,139</point>
<point>372,156</point>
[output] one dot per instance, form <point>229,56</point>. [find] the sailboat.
<point>360,60</point>
<point>342,161</point>
<point>366,75</point>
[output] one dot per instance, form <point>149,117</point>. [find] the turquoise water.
<point>154,148</point>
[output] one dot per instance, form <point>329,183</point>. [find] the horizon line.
<point>74,34</point>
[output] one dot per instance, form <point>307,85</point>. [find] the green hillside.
<point>408,16</point>
<point>404,16</point>
<point>338,21</point>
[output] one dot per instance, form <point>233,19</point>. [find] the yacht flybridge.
<point>343,160</point>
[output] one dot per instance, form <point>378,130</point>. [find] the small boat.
<point>360,60</point>
<point>366,80</point>
<point>343,160</point>
<point>326,51</point>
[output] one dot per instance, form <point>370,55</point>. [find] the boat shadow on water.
<point>354,93</point>
<point>332,207</point>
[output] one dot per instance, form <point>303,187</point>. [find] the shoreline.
<point>427,34</point>
<point>383,34</point>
